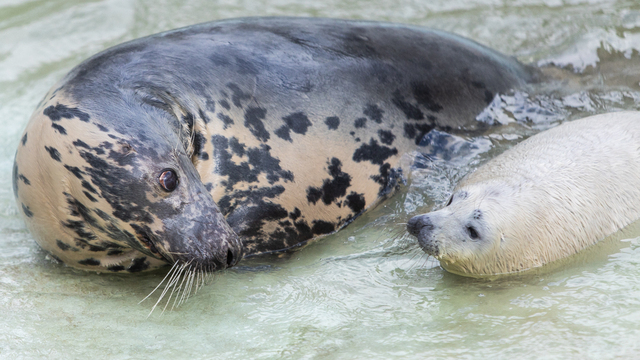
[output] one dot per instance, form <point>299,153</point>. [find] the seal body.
<point>546,198</point>
<point>226,139</point>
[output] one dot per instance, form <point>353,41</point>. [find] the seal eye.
<point>450,201</point>
<point>168,179</point>
<point>472,232</point>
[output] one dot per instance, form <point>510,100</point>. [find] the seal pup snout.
<point>422,227</point>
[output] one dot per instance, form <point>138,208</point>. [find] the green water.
<point>368,291</point>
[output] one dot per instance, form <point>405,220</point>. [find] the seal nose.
<point>418,223</point>
<point>232,257</point>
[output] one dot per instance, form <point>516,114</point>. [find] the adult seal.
<point>212,142</point>
<point>545,199</point>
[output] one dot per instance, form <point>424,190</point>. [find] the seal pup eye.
<point>472,232</point>
<point>168,179</point>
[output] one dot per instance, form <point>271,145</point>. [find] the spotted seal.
<point>226,139</point>
<point>545,199</point>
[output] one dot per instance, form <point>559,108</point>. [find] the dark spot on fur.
<point>79,143</point>
<point>114,252</point>
<point>313,194</point>
<point>355,202</point>
<point>61,130</point>
<point>295,214</point>
<point>373,152</point>
<point>360,123</point>
<point>53,152</point>
<point>75,171</point>
<point>27,211</point>
<point>198,146</point>
<point>203,116</point>
<point>89,262</point>
<point>253,121</point>
<point>411,111</point>
<point>373,112</point>
<point>331,189</point>
<point>477,214</point>
<point>24,179</point>
<point>86,185</point>
<point>298,122</point>
<point>24,139</point>
<point>225,104</point>
<point>332,122</point>
<point>322,227</point>
<point>115,268</point>
<point>90,197</point>
<point>386,137</point>
<point>423,96</point>
<point>63,246</point>
<point>237,147</point>
<point>139,264</point>
<point>238,95</point>
<point>102,128</point>
<point>226,120</point>
<point>60,111</point>
<point>283,133</point>
<point>211,107</point>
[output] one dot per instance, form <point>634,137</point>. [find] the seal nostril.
<point>229,258</point>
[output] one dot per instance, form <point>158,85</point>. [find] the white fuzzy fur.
<point>546,198</point>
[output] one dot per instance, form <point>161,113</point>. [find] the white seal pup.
<point>546,198</point>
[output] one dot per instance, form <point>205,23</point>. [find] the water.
<point>368,291</point>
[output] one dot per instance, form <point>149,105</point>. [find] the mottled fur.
<point>279,130</point>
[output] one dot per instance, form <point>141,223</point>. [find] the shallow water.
<point>368,291</point>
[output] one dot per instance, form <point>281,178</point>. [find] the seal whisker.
<point>173,286</point>
<point>174,270</point>
<point>180,288</point>
<point>192,274</point>
<point>156,288</point>
<point>186,279</point>
<point>411,259</point>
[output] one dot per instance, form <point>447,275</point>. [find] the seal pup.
<point>545,199</point>
<point>209,143</point>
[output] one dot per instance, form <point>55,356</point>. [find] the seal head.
<point>111,185</point>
